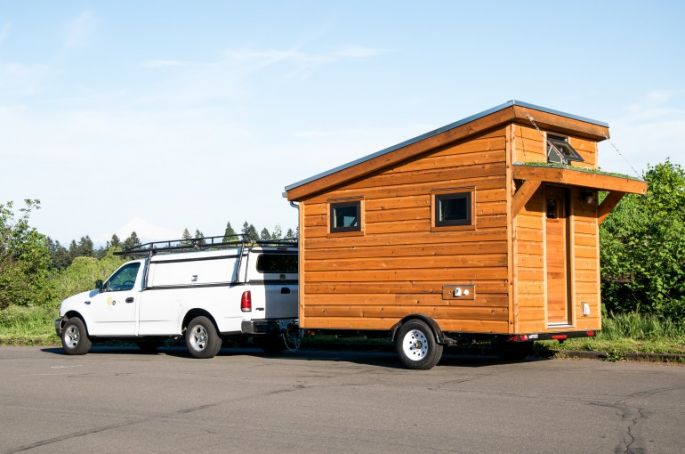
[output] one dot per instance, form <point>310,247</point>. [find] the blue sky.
<point>157,116</point>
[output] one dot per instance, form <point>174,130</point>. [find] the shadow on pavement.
<point>372,357</point>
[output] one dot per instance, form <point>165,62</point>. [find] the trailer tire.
<point>514,351</point>
<point>75,340</point>
<point>417,346</point>
<point>202,339</point>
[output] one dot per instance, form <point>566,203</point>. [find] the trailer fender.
<point>439,336</point>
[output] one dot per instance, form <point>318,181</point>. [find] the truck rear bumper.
<point>268,326</point>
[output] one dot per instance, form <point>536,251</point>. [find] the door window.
<point>124,279</point>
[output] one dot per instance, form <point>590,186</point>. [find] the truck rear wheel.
<point>75,340</point>
<point>417,346</point>
<point>202,340</point>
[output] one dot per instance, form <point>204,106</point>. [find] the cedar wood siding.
<point>529,273</point>
<point>399,263</point>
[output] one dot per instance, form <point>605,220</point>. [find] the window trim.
<point>345,204</point>
<point>470,224</point>
<point>573,154</point>
<point>331,232</point>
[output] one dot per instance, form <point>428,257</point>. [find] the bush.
<point>643,248</point>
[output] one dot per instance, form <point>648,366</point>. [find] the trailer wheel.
<point>513,351</point>
<point>202,340</point>
<point>417,346</point>
<point>75,340</point>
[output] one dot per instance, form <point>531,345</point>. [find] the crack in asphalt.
<point>634,414</point>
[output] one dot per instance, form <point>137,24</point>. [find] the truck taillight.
<point>246,301</point>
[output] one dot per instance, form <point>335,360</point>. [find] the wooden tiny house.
<point>485,226</point>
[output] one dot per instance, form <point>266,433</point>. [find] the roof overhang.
<point>509,112</point>
<point>579,177</point>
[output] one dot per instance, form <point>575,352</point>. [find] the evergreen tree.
<point>229,233</point>
<point>199,237</point>
<point>186,238</point>
<point>277,234</point>
<point>250,232</point>
<point>114,243</point>
<point>131,242</point>
<point>264,235</point>
<point>59,255</point>
<point>290,235</point>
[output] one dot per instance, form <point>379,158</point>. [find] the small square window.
<point>346,216</point>
<point>560,151</point>
<point>453,209</point>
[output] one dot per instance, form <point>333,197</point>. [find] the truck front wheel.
<point>202,340</point>
<point>75,340</point>
<point>417,346</point>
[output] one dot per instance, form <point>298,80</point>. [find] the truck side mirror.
<point>98,285</point>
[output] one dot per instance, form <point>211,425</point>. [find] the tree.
<point>277,234</point>
<point>199,237</point>
<point>264,235</point>
<point>290,235</point>
<point>114,243</point>
<point>24,257</point>
<point>250,232</point>
<point>131,242</point>
<point>643,247</point>
<point>59,255</point>
<point>186,238</point>
<point>229,233</point>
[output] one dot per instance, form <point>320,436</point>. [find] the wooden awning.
<point>534,176</point>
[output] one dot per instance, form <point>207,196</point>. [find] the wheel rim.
<point>198,337</point>
<point>415,345</point>
<point>72,336</point>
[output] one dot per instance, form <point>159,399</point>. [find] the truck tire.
<point>202,340</point>
<point>417,346</point>
<point>271,344</point>
<point>513,351</point>
<point>75,340</point>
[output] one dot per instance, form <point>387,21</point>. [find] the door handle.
<point>285,290</point>
<point>260,308</point>
<point>129,299</point>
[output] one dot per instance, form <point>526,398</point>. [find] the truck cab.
<point>205,294</point>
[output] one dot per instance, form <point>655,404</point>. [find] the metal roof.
<point>435,132</point>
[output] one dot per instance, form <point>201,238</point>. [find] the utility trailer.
<point>487,228</point>
<point>203,291</point>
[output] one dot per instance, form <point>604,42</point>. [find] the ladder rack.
<point>203,244</point>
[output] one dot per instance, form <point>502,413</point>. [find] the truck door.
<point>278,273</point>
<point>114,309</point>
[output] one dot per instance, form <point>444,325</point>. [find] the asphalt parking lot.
<point>120,400</point>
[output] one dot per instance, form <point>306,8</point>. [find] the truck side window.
<point>124,279</point>
<point>277,263</point>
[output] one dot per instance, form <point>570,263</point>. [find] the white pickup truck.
<point>224,291</point>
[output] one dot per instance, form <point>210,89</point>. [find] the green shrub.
<point>643,248</point>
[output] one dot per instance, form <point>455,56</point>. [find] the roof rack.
<point>202,244</point>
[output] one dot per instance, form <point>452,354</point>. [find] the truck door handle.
<point>285,290</point>
<point>129,299</point>
<point>260,308</point>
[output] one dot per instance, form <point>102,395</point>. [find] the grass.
<point>579,169</point>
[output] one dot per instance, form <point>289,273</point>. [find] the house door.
<point>557,260</point>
